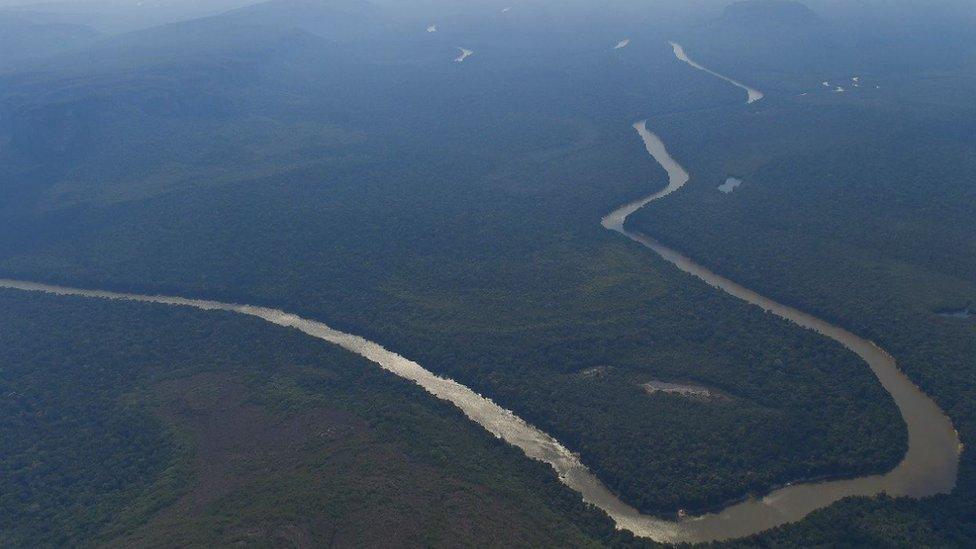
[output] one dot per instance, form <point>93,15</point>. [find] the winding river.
<point>753,94</point>
<point>929,467</point>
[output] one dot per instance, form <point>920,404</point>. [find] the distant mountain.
<point>754,38</point>
<point>175,83</point>
<point>333,19</point>
<point>118,16</point>
<point>22,38</point>
<point>783,12</point>
<point>315,30</point>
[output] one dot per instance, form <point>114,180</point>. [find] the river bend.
<point>929,467</point>
<point>752,93</point>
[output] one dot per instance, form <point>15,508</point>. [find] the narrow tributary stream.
<point>929,467</point>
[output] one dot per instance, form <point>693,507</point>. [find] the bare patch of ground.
<point>690,390</point>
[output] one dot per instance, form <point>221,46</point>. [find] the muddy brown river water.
<point>929,467</point>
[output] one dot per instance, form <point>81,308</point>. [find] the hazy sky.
<point>113,16</point>
<point>11,3</point>
<point>120,15</point>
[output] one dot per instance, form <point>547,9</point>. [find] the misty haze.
<point>514,273</point>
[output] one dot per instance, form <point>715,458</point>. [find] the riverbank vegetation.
<point>859,209</point>
<point>147,425</point>
<point>469,241</point>
<point>451,213</point>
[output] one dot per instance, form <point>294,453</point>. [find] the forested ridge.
<point>142,424</point>
<point>858,209</point>
<point>465,239</point>
<point>451,213</point>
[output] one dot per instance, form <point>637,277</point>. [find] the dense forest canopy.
<point>332,158</point>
